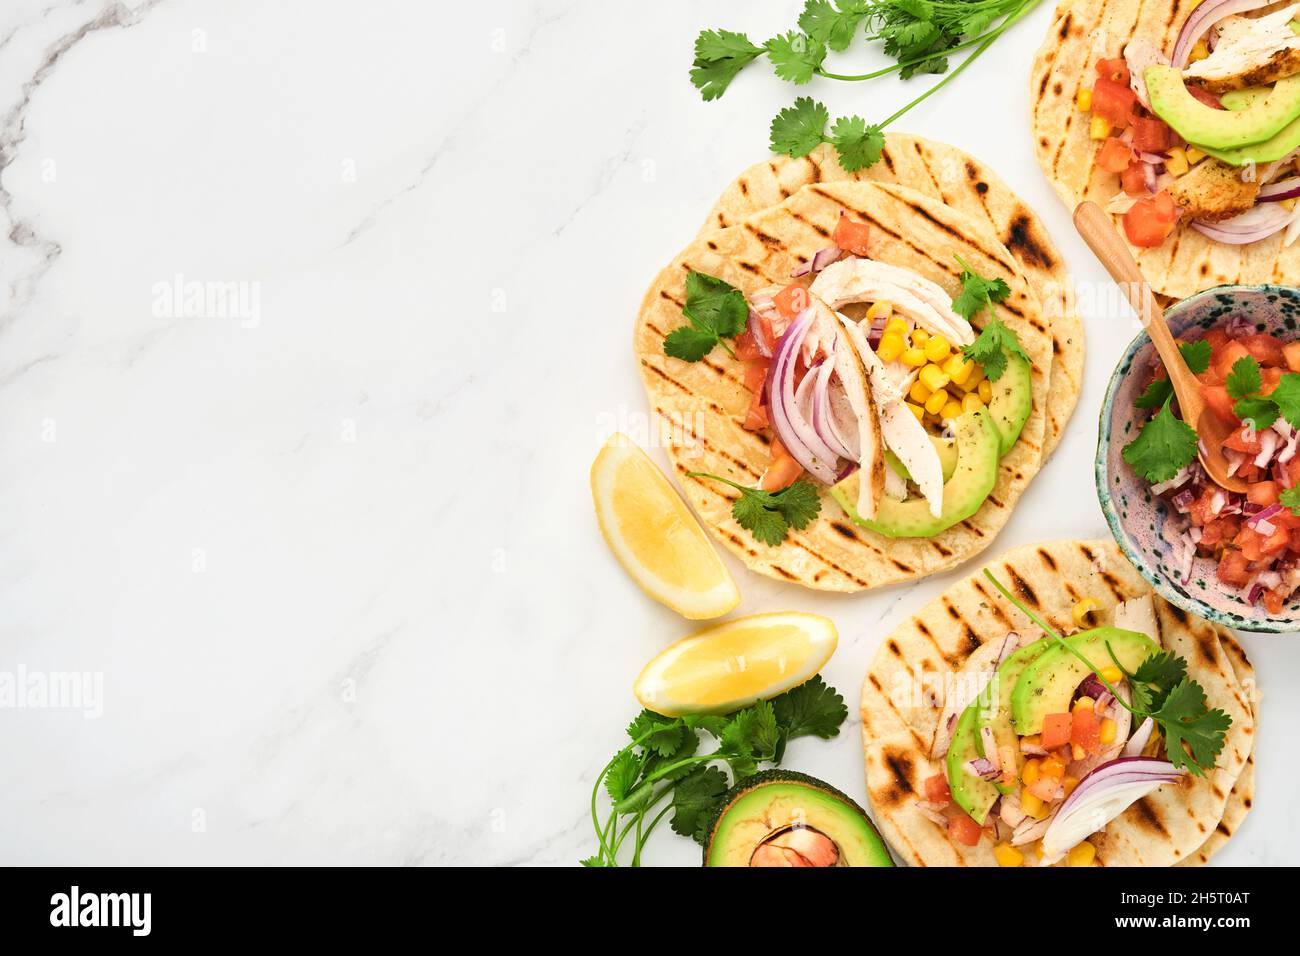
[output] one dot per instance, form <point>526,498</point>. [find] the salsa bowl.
<point>1143,522</point>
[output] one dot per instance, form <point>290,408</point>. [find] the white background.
<point>337,565</point>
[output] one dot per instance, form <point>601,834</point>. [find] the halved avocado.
<point>1047,685</point>
<point>782,818</point>
<point>1221,129</point>
<point>978,453</point>
<point>1012,400</point>
<point>971,793</point>
<point>947,449</point>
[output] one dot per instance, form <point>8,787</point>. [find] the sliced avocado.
<point>1047,685</point>
<point>1269,151</point>
<point>1012,400</point>
<point>1240,99</point>
<point>759,817</point>
<point>971,793</point>
<point>978,447</point>
<point>1222,129</point>
<point>997,714</point>
<point>947,449</point>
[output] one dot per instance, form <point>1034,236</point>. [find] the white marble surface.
<point>331,553</point>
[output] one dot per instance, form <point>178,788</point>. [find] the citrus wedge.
<point>654,535</point>
<point>733,664</point>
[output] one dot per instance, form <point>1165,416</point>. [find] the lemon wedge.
<point>733,664</point>
<point>654,535</point>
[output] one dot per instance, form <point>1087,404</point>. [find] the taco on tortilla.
<point>1183,122</point>
<point>879,406</point>
<point>990,741</point>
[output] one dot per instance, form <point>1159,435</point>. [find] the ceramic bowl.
<point>1136,516</point>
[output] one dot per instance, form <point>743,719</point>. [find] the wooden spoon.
<point>1113,253</point>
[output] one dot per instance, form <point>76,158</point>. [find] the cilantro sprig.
<point>769,515</point>
<point>715,310</point>
<point>662,765</point>
<point>995,340</point>
<point>1245,385</point>
<point>919,35</point>
<point>1195,354</point>
<point>1164,447</point>
<point>1160,689</point>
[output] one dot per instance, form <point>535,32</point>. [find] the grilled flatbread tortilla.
<point>945,173</point>
<point>701,405</point>
<point>902,699</point>
<point>1188,261</point>
<point>1242,796</point>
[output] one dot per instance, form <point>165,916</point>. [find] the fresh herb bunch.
<point>995,339</point>
<point>769,515</point>
<point>1194,734</point>
<point>662,763</point>
<point>919,35</point>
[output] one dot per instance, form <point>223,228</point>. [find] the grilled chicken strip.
<point>1213,191</point>
<point>1250,52</point>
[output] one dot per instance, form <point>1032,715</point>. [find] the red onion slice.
<point>1139,739</point>
<point>1257,223</point>
<point>1281,190</point>
<point>796,432</point>
<point>820,260</point>
<point>823,421</point>
<point>1101,796</point>
<point>1202,18</point>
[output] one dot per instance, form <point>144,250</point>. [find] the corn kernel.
<point>1084,100</point>
<point>1099,129</point>
<point>950,411</point>
<point>1112,674</point>
<point>976,376</point>
<point>1052,766</point>
<point>934,377</point>
<point>920,337</point>
<point>1176,164</point>
<point>914,357</point>
<point>1078,751</point>
<point>1107,731</point>
<point>891,347</point>
<point>934,404</point>
<point>986,392</point>
<point>1199,52</point>
<point>959,369</point>
<point>1032,805</point>
<point>918,393</point>
<point>881,310</point>
<point>1082,855</point>
<point>971,403</point>
<point>916,410</point>
<point>1193,155</point>
<point>897,326</point>
<point>1029,775</point>
<point>1084,703</point>
<point>1081,610</point>
<point>937,348</point>
<point>1069,783</point>
<point>1007,855</point>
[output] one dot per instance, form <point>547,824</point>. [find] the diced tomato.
<point>962,829</point>
<point>852,236</point>
<point>756,374</point>
<point>1217,338</point>
<point>1269,379</point>
<point>756,415</point>
<point>1274,601</point>
<point>936,789</point>
<point>1250,472</point>
<point>1202,509</point>
<point>1277,541</point>
<point>782,472</point>
<point>1219,530</point>
<point>1115,68</point>
<point>1115,155</point>
<point>747,349</point>
<point>1290,472</point>
<point>1262,493</point>
<point>1056,730</point>
<point>1152,135</point>
<point>1267,349</point>
<point>1227,356</point>
<point>1085,731</point>
<point>1205,96</point>
<point>1244,440</point>
<point>791,300</point>
<point>1113,101</point>
<point>1134,179</point>
<point>1257,547</point>
<point>1232,568</point>
<point>1291,355</point>
<point>1220,402</point>
<point>1150,221</point>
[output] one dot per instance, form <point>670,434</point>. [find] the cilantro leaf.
<point>695,800</point>
<point>769,515</point>
<point>1155,678</point>
<point>1257,412</point>
<point>752,731</point>
<point>655,762</point>
<point>991,348</point>
<point>1194,735</point>
<point>1195,354</point>
<point>1290,497</point>
<point>715,310</point>
<point>622,774</point>
<point>799,129</point>
<point>719,56</point>
<point>977,293</point>
<point>1287,398</point>
<point>664,733</point>
<point>1244,379</point>
<point>857,144</point>
<point>810,710</point>
<point>1164,446</point>
<point>832,24</point>
<point>795,56</point>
